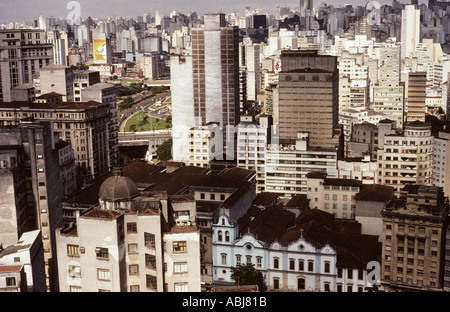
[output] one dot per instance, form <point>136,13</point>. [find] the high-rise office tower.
<point>417,87</point>
<point>305,6</point>
<point>22,53</point>
<point>410,33</point>
<point>205,84</point>
<point>308,97</point>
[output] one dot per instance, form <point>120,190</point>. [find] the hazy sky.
<point>18,10</point>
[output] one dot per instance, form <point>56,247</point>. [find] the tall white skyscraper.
<point>205,84</point>
<point>60,46</point>
<point>410,36</point>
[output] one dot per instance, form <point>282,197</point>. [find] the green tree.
<point>164,151</point>
<point>126,103</point>
<point>248,275</point>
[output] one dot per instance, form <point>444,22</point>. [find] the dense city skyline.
<point>17,11</point>
<point>295,146</point>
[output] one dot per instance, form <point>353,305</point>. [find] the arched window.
<point>326,287</point>
<point>276,263</point>
<point>310,266</point>
<point>219,236</point>
<point>301,265</point>
<point>227,236</point>
<point>327,267</point>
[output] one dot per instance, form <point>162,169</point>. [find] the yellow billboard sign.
<point>100,50</point>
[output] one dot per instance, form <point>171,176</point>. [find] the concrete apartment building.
<point>106,93</point>
<point>153,66</point>
<point>406,157</point>
<point>22,53</point>
<point>60,42</point>
<point>335,196</point>
<point>414,225</point>
<point>287,166</point>
<point>308,98</point>
<point>28,252</point>
<point>364,169</point>
<point>83,79</point>
<point>67,168</point>
<point>253,138</point>
<point>34,202</point>
<point>13,278</point>
<point>85,125</point>
<point>205,84</point>
<point>441,156</point>
<point>57,79</point>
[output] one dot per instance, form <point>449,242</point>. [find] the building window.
<point>151,282</point>
<point>276,263</point>
<point>180,267</point>
<point>179,246</point>
<point>301,265</point>
<point>134,288</point>
<point>149,240</point>
<point>227,236</point>
<point>103,275</point>
<point>133,269</point>
<point>361,275</point>
<point>301,284</point>
<point>258,262</point>
<point>327,267</point>
<point>102,253</point>
<point>132,248</point>
<point>224,259</point>
<point>238,259</point>
<point>276,283</point>
<point>291,264</point>
<point>181,287</point>
<point>219,236</point>
<point>150,261</point>
<point>310,266</point>
<point>73,250</point>
<point>74,270</point>
<point>349,273</point>
<point>131,227</point>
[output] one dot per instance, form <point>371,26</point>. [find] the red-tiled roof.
<point>10,268</point>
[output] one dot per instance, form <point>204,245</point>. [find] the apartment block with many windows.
<point>414,227</point>
<point>406,158</point>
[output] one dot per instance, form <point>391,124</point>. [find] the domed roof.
<point>118,187</point>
